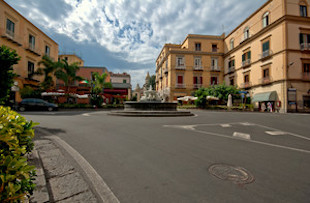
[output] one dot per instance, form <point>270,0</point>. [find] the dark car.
<point>36,104</point>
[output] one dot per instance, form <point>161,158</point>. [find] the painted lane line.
<point>247,124</point>
<point>276,133</point>
<point>225,125</point>
<point>242,135</point>
<point>85,114</point>
<point>100,186</point>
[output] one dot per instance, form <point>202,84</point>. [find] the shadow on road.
<point>43,131</point>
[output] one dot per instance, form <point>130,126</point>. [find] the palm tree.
<point>49,68</point>
<point>99,83</point>
<point>67,73</point>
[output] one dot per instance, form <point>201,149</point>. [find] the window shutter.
<point>249,55</point>
<point>180,79</point>
<point>301,38</point>
<point>243,57</point>
<point>233,63</point>
<point>200,79</point>
<point>195,80</point>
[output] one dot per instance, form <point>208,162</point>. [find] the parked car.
<point>36,104</point>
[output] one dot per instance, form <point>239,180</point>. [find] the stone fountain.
<point>151,105</point>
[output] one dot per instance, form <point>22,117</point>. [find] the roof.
<point>98,67</point>
<point>119,74</point>
<point>121,85</point>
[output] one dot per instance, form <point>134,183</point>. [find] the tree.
<point>67,73</point>
<point>152,82</point>
<point>99,85</point>
<point>8,58</point>
<point>220,91</point>
<point>49,68</point>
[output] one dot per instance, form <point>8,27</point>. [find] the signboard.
<point>291,95</point>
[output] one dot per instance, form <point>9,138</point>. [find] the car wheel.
<point>22,108</point>
<point>50,109</point>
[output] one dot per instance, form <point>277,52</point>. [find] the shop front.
<point>267,101</point>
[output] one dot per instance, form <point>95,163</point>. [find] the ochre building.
<point>30,43</point>
<point>267,55</point>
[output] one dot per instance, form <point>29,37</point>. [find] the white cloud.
<point>136,28</point>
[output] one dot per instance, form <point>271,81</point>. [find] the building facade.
<point>183,68</point>
<point>267,56</point>
<point>30,43</point>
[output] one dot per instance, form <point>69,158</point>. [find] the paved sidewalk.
<point>58,180</point>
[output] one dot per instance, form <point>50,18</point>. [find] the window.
<point>197,81</point>
<point>214,80</point>
<point>197,62</point>
<point>198,46</point>
<point>30,69</point>
<point>246,78</point>
<point>31,42</point>
<point>214,64</point>
<point>124,81</point>
<point>180,81</point>
<point>214,47</point>
<point>266,73</point>
<point>10,27</point>
<point>266,19</point>
<point>47,50</point>
<point>66,58</point>
<point>231,65</point>
<point>306,68</point>
<point>180,61</point>
<point>266,48</point>
<point>304,40</point>
<point>246,58</point>
<point>246,33</point>
<point>232,45</point>
<point>303,11</point>
<point>232,81</point>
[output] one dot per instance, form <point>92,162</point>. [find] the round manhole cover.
<point>236,174</point>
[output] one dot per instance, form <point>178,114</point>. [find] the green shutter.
<point>266,46</point>
<point>249,55</point>
<point>243,57</point>
<point>233,62</point>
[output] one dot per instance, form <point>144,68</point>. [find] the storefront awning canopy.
<point>265,96</point>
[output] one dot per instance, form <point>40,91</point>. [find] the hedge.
<point>16,176</point>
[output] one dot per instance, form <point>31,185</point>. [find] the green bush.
<point>16,176</point>
<point>29,92</point>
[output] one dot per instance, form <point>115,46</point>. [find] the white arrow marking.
<point>242,135</point>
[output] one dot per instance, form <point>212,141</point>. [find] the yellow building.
<point>267,55</point>
<point>30,43</point>
<point>71,58</point>
<point>183,68</point>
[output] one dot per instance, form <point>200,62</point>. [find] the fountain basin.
<point>150,109</point>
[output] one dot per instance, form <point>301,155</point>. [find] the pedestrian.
<point>269,107</point>
<point>263,107</point>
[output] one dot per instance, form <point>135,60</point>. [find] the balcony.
<point>181,67</point>
<point>306,76</point>
<point>11,36</point>
<point>31,48</point>
<point>197,86</point>
<point>305,46</point>
<point>266,54</point>
<point>265,80</point>
<point>246,85</point>
<point>215,69</point>
<point>246,63</point>
<point>180,86</point>
<point>198,68</point>
<point>231,69</point>
<point>166,70</point>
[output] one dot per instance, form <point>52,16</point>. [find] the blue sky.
<point>127,35</point>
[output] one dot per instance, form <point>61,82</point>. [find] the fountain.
<point>150,105</point>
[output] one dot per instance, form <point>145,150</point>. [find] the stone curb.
<point>57,179</point>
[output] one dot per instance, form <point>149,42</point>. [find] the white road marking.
<point>247,124</point>
<point>242,135</point>
<point>225,125</point>
<point>85,114</point>
<point>276,132</point>
<point>100,186</point>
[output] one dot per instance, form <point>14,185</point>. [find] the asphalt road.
<point>169,159</point>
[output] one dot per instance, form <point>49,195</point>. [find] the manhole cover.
<point>236,174</point>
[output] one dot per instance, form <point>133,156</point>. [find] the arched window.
<point>266,19</point>
<point>246,33</point>
<point>232,43</point>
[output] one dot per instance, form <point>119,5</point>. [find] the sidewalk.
<point>58,179</point>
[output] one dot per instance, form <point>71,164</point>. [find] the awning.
<point>265,96</point>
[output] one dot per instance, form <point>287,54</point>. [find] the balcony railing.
<point>215,68</point>
<point>183,67</point>
<point>11,36</point>
<point>197,86</point>
<point>245,85</point>
<point>266,54</point>
<point>304,46</point>
<point>231,69</point>
<point>180,86</point>
<point>306,75</point>
<point>245,63</point>
<point>199,68</point>
<point>33,49</point>
<point>265,80</point>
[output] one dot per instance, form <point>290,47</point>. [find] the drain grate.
<point>236,174</point>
